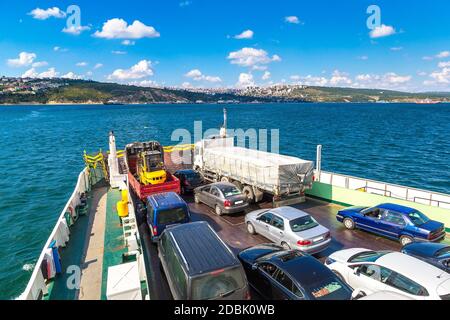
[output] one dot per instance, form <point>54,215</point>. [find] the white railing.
<point>36,287</point>
<point>429,198</point>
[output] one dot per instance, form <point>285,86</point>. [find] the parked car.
<point>374,271</point>
<point>393,221</point>
<point>223,197</point>
<point>163,210</point>
<point>199,266</point>
<point>278,274</point>
<point>290,228</point>
<point>437,254</point>
<point>189,179</point>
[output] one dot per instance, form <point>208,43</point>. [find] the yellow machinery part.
<point>153,178</point>
<point>122,209</point>
<point>125,196</point>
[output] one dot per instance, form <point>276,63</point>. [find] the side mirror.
<point>356,271</point>
<point>255,266</point>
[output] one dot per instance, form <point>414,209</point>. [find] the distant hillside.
<point>62,91</point>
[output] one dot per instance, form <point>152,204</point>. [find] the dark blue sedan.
<point>393,221</point>
<point>279,274</point>
<point>437,254</point>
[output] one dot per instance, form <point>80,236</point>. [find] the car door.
<point>276,229</point>
<point>262,224</point>
<point>203,194</point>
<point>215,197</point>
<point>403,285</point>
<point>283,287</point>
<point>369,278</point>
<point>370,221</point>
<point>392,223</point>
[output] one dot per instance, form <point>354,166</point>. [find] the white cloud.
<point>393,78</point>
<point>118,52</point>
<point>119,29</point>
<point>197,75</point>
<point>128,43</point>
<point>396,48</point>
<point>443,54</point>
<point>292,19</point>
<point>44,14</point>
<point>185,3</point>
<point>25,59</point>
<point>382,31</point>
<point>186,85</point>
<point>32,73</point>
<point>251,57</point>
<point>245,80</point>
<point>363,58</point>
<point>75,30</point>
<point>310,80</point>
<point>295,77</point>
<point>82,64</point>
<point>59,49</point>
<point>98,66</point>
<point>388,80</point>
<point>266,75</point>
<point>440,77</point>
<point>247,34</point>
<point>145,83</point>
<point>444,64</point>
<point>141,70</point>
<point>71,75</point>
<point>340,78</point>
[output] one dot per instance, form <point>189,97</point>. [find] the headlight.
<point>329,261</point>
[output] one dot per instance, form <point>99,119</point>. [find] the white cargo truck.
<point>255,172</point>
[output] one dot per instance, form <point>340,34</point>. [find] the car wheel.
<point>404,240</point>
<point>251,228</point>
<point>285,246</point>
<point>197,199</point>
<point>349,223</point>
<point>219,211</point>
<point>248,192</point>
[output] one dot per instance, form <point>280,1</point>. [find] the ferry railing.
<point>431,198</point>
<point>37,287</point>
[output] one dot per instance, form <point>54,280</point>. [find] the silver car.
<point>223,197</point>
<point>290,228</point>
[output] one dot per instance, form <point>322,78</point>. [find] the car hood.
<point>431,225</point>
<point>344,255</point>
<point>312,233</point>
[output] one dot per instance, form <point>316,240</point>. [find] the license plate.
<point>239,202</point>
<point>318,239</point>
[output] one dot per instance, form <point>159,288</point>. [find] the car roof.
<point>413,268</point>
<point>184,171</point>
<point>303,268</point>
<point>222,184</point>
<point>201,248</point>
<point>289,213</point>
<point>396,207</point>
<point>167,200</point>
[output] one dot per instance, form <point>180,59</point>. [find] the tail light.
<point>155,231</point>
<point>227,203</point>
<point>303,243</point>
<point>217,272</point>
<point>248,295</point>
<point>327,235</point>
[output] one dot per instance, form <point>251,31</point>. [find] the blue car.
<point>393,221</point>
<point>437,254</point>
<point>163,210</point>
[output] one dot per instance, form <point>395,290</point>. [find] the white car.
<point>374,271</point>
<point>386,295</point>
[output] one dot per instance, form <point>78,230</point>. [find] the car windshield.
<point>418,218</point>
<point>229,191</point>
<point>444,252</point>
<point>303,223</point>
<point>367,256</point>
<point>171,216</point>
<point>217,284</point>
<point>329,289</point>
<point>193,176</point>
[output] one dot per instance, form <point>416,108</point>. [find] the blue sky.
<point>193,43</point>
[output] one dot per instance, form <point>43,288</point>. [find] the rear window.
<point>230,191</point>
<point>303,223</point>
<point>368,256</point>
<point>193,176</point>
<point>216,285</point>
<point>171,216</point>
<point>330,289</point>
<point>418,218</point>
<point>443,252</point>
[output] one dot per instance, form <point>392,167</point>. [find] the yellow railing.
<point>181,147</point>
